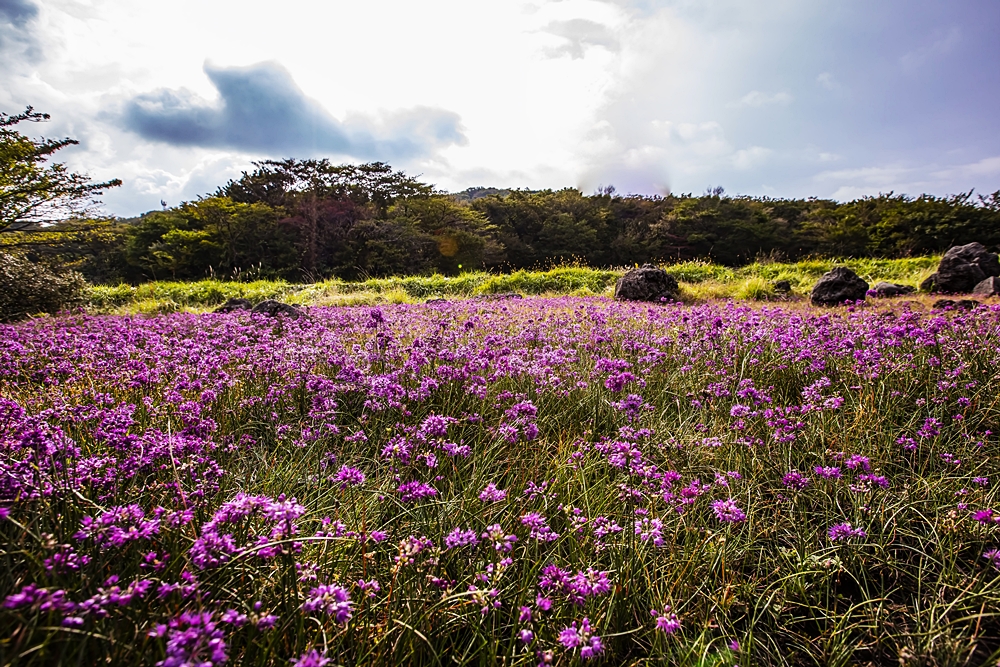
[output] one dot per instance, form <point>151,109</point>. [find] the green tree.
<point>33,191</point>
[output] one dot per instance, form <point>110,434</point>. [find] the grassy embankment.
<point>699,281</point>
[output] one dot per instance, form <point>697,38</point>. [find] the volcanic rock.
<point>647,283</point>
<point>892,289</point>
<point>502,296</point>
<point>274,308</point>
<point>837,286</point>
<point>962,268</point>
<point>961,304</point>
<point>782,286</point>
<point>234,305</point>
<point>989,287</point>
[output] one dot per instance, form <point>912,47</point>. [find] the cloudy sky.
<point>785,98</point>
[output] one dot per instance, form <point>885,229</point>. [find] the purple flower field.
<point>533,482</point>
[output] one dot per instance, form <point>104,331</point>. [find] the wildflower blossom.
<point>650,530</point>
<point>311,658</point>
<point>539,527</point>
<point>844,531</point>
<point>331,599</point>
<point>192,639</point>
<point>795,480</point>
<point>501,541</point>
<point>460,538</point>
<point>491,494</point>
<point>582,637</point>
<point>727,511</point>
<point>415,490</point>
<point>348,476</point>
<point>666,621</point>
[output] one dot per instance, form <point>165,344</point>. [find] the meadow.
<point>537,481</point>
<point>699,280</point>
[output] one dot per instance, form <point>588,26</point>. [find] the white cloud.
<point>644,94</point>
<point>757,99</point>
<point>940,45</point>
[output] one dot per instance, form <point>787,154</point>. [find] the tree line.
<point>312,219</point>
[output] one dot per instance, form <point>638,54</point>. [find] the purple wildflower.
<point>539,527</point>
<point>312,658</point>
<point>348,476</point>
<point>795,480</point>
<point>582,637</point>
<point>501,541</point>
<point>460,538</point>
<point>491,494</point>
<point>192,639</point>
<point>415,490</point>
<point>727,511</point>
<point>331,599</point>
<point>844,531</point>
<point>666,621</point>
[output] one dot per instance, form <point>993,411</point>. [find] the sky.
<point>783,98</point>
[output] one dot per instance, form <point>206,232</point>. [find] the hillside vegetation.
<point>306,221</point>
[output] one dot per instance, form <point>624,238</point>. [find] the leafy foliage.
<point>27,288</point>
<point>32,192</point>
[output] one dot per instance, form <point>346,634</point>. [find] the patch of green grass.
<point>699,281</point>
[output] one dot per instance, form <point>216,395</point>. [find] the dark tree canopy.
<point>33,191</point>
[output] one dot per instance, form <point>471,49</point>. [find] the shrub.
<point>27,288</point>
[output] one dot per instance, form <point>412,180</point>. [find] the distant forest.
<point>309,219</point>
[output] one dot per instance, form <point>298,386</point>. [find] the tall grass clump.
<point>554,481</point>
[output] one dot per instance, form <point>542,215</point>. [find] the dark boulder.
<point>962,268</point>
<point>274,308</point>
<point>502,296</point>
<point>647,283</point>
<point>234,305</point>
<point>837,286</point>
<point>949,304</point>
<point>892,289</point>
<point>988,287</point>
<point>782,286</point>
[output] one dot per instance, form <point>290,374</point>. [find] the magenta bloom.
<point>331,599</point>
<point>414,491</point>
<point>311,658</point>
<point>795,480</point>
<point>460,538</point>
<point>348,476</point>
<point>192,639</point>
<point>827,472</point>
<point>844,531</point>
<point>491,494</point>
<point>581,637</point>
<point>726,511</point>
<point>986,516</point>
<point>666,621</point>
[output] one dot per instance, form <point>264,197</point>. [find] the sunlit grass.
<point>699,281</point>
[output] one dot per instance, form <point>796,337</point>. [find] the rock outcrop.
<point>782,286</point>
<point>892,289</point>
<point>949,304</point>
<point>647,283</point>
<point>837,286</point>
<point>962,268</point>
<point>274,308</point>
<point>234,305</point>
<point>989,287</point>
